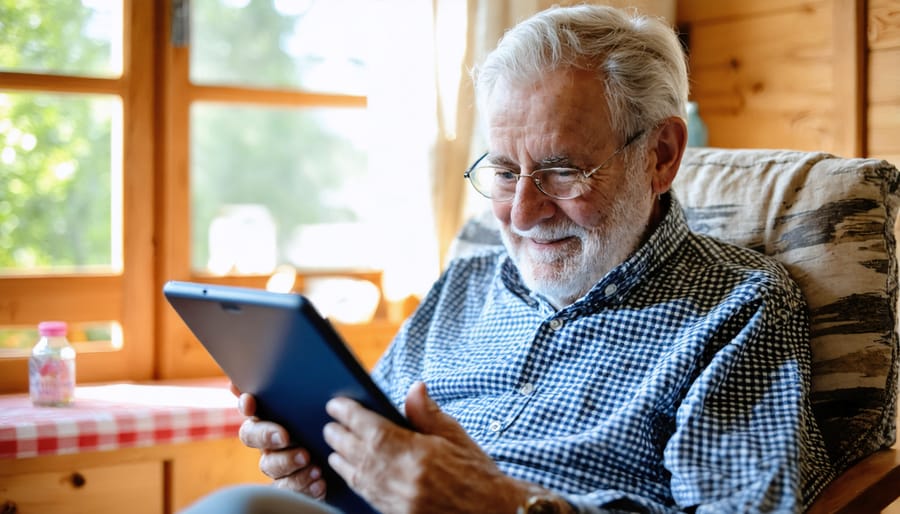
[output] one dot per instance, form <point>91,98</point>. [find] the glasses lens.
<point>493,182</point>
<point>560,182</point>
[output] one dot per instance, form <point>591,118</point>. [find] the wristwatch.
<point>540,504</point>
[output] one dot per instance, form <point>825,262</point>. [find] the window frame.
<point>156,95</point>
<point>28,299</point>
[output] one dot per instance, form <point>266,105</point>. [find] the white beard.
<point>568,274</point>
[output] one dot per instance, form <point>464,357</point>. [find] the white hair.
<point>638,58</point>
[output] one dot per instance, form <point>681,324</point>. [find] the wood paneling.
<point>760,82</point>
<point>799,75</point>
<point>884,80</point>
<point>884,24</point>
<point>709,10</point>
<point>884,131</point>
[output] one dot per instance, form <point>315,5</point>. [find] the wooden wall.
<point>808,75</point>
<point>883,109</point>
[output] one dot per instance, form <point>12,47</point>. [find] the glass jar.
<point>51,368</point>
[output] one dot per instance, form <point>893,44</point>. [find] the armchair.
<point>831,222</point>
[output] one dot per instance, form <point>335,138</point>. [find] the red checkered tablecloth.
<point>114,416</point>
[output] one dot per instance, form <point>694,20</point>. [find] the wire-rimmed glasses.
<point>499,182</point>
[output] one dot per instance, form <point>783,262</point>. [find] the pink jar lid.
<point>52,328</point>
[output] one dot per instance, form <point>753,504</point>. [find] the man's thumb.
<point>427,417</point>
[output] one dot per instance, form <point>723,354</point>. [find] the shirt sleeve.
<point>745,438</point>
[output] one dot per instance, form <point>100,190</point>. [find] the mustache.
<point>546,232</point>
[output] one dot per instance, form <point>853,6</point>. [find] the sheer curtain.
<point>460,139</point>
<point>422,114</point>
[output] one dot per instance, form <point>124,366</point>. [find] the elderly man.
<point>607,358</point>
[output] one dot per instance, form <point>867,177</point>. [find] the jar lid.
<point>52,328</point>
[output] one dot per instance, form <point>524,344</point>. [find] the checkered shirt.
<point>679,381</point>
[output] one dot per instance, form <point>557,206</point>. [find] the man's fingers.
<point>344,469</point>
<point>341,440</point>
<point>283,463</point>
<point>358,419</point>
<point>263,435</point>
<point>307,481</point>
<point>427,417</point>
<point>247,404</point>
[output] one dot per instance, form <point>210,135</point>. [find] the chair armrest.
<point>868,486</point>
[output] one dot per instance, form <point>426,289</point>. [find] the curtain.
<point>459,138</point>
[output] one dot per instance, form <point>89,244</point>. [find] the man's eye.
<point>564,174</point>
<point>504,174</point>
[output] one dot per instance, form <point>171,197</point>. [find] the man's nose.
<point>530,206</point>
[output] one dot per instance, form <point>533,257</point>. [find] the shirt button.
<point>611,289</point>
<point>526,389</point>
<point>556,323</point>
<point>494,426</point>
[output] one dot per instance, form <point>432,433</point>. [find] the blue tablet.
<point>278,348</point>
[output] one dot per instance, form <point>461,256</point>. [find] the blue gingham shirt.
<point>680,380</point>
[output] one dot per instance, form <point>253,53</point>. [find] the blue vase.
<point>697,133</point>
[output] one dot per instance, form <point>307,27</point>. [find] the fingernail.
<point>301,460</point>
<point>275,439</point>
<point>315,473</point>
<point>317,488</point>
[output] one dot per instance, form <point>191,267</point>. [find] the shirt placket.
<point>535,354</point>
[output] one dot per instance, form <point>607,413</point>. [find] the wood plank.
<point>178,354</point>
<point>761,83</point>
<point>884,77</point>
<point>659,8</point>
<point>849,71</point>
<point>200,469</point>
<point>272,97</point>
<point>61,84</point>
<point>884,129</point>
<point>809,131</point>
<point>883,120</point>
<point>884,24</point>
<point>192,469</point>
<point>764,38</point>
<point>138,158</point>
<point>135,488</point>
<point>868,486</point>
<point>693,11</point>
<point>25,301</point>
<point>368,341</point>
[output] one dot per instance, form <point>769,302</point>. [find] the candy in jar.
<point>51,369</point>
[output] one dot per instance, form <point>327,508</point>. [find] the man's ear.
<point>671,139</point>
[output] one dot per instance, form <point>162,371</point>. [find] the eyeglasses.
<point>499,182</point>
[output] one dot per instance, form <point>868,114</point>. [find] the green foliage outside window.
<point>55,199</point>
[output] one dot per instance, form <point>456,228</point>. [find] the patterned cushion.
<point>830,221</point>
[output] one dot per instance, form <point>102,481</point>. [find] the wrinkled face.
<point>563,247</point>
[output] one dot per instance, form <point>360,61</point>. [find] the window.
<point>72,111</point>
<point>131,141</point>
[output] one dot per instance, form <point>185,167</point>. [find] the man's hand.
<point>438,469</point>
<point>288,466</point>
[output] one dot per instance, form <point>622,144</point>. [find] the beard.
<point>581,257</point>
